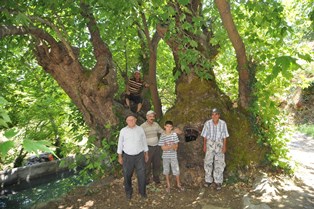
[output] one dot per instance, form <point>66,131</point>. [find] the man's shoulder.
<point>222,121</point>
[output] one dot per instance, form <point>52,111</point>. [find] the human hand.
<point>146,157</point>
<point>120,160</point>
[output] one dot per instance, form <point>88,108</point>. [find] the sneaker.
<point>218,186</point>
<point>207,184</point>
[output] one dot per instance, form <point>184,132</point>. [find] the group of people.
<point>140,147</point>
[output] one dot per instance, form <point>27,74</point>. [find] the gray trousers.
<point>214,162</point>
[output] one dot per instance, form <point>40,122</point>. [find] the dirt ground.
<point>109,193</point>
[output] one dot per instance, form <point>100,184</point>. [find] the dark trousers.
<point>153,163</point>
<point>131,162</point>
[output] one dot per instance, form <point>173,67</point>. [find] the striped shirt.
<point>132,141</point>
<point>215,132</point>
<point>168,139</point>
<point>135,87</point>
<point>152,131</point>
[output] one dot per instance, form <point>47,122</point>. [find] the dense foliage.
<point>36,115</point>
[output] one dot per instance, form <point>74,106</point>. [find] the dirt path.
<point>302,151</point>
<point>287,192</point>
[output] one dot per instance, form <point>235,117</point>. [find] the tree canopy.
<point>65,63</point>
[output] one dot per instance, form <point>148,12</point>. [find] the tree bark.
<point>245,85</point>
<point>91,90</point>
<point>195,99</point>
<point>152,45</point>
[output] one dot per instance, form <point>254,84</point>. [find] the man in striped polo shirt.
<point>134,90</point>
<point>215,135</point>
<point>152,129</point>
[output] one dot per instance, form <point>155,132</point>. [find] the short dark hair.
<point>168,122</point>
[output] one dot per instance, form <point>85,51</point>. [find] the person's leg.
<point>128,169</point>
<point>139,107</point>
<point>176,172</point>
<point>156,162</point>
<point>219,164</point>
<point>166,171</point>
<point>168,183</point>
<point>148,164</point>
<point>208,162</point>
<point>140,171</point>
<point>139,101</point>
<point>127,100</point>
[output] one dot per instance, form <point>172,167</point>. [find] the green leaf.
<point>35,146</point>
<point>10,133</point>
<point>184,2</point>
<point>5,147</point>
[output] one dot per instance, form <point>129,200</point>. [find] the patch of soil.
<point>109,193</point>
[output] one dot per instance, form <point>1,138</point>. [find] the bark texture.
<point>195,99</point>
<point>91,90</point>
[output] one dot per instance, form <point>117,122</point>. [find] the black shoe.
<point>128,196</point>
<point>206,184</point>
<point>218,186</point>
<point>144,196</point>
<point>157,182</point>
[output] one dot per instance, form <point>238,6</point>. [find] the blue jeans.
<point>131,162</point>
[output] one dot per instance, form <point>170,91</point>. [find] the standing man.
<point>132,154</point>
<point>215,135</point>
<point>152,129</point>
<point>134,90</point>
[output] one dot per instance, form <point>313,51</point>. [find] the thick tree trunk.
<point>195,99</point>
<point>91,94</point>
<point>91,90</point>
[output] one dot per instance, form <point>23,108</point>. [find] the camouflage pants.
<point>214,162</point>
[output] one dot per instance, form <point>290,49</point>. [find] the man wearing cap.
<point>152,129</point>
<point>134,90</point>
<point>215,135</point>
<point>132,154</point>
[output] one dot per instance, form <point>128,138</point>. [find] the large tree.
<point>71,42</point>
<point>90,88</point>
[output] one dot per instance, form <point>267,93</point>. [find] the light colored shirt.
<point>152,131</point>
<point>168,140</point>
<point>132,141</point>
<point>215,132</point>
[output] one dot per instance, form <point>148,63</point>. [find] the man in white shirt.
<point>132,154</point>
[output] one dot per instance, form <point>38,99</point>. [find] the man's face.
<point>131,121</point>
<point>215,117</point>
<point>137,75</point>
<point>150,118</point>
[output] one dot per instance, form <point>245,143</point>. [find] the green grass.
<point>307,129</point>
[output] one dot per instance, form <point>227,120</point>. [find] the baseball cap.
<point>150,112</point>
